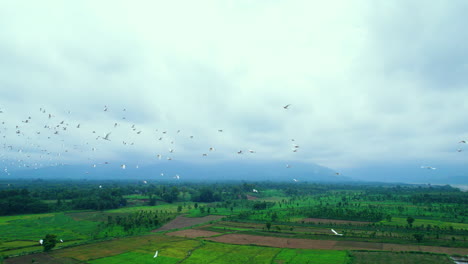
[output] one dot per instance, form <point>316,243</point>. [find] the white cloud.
<point>368,82</point>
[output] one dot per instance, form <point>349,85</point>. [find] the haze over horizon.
<point>376,90</point>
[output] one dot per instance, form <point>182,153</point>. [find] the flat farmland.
<point>399,258</point>
<point>193,233</point>
<point>329,244</point>
<point>333,221</point>
<point>182,222</point>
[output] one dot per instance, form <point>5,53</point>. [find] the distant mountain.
<point>412,173</point>
<point>221,171</point>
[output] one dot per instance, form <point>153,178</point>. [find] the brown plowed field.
<point>317,220</point>
<point>329,244</point>
<point>182,221</point>
<point>193,233</point>
<point>40,258</point>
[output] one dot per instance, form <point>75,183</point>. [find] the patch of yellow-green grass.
<point>399,258</point>
<point>173,246</point>
<point>177,249</point>
<point>136,196</point>
<point>425,222</point>
<point>217,253</point>
<point>17,244</point>
<point>312,256</point>
<point>135,257</point>
<point>35,228</point>
<point>6,219</point>
<point>22,251</point>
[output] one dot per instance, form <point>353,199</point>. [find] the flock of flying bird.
<point>32,141</point>
<point>46,139</point>
<point>36,138</point>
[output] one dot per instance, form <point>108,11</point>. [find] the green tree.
<point>268,225</point>
<point>274,217</point>
<point>410,220</point>
<point>388,218</point>
<point>418,237</point>
<point>49,242</point>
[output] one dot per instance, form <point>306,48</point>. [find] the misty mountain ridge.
<point>221,171</point>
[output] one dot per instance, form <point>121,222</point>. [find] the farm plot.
<point>134,257</point>
<point>33,229</point>
<point>214,253</point>
<point>398,258</point>
<point>172,246</point>
<point>40,258</point>
<point>329,244</point>
<point>182,222</point>
<point>193,233</point>
<point>310,256</point>
<point>333,221</point>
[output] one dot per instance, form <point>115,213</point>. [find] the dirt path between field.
<point>182,221</point>
<point>328,244</point>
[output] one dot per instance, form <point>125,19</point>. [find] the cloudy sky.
<point>369,82</point>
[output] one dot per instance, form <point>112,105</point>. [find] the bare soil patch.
<point>182,221</point>
<point>193,233</point>
<point>329,244</point>
<point>334,221</point>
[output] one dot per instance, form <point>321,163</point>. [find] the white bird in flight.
<point>41,241</point>
<point>107,136</point>
<point>336,233</point>
<point>155,254</point>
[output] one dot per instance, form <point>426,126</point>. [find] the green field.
<point>311,256</point>
<point>368,217</point>
<point>399,258</point>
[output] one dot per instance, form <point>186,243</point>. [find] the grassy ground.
<point>180,250</point>
<point>418,222</point>
<point>311,256</point>
<point>399,258</point>
<point>36,227</point>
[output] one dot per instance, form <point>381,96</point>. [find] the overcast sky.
<point>369,82</point>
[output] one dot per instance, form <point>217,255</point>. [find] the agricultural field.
<point>281,223</point>
<point>399,258</point>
